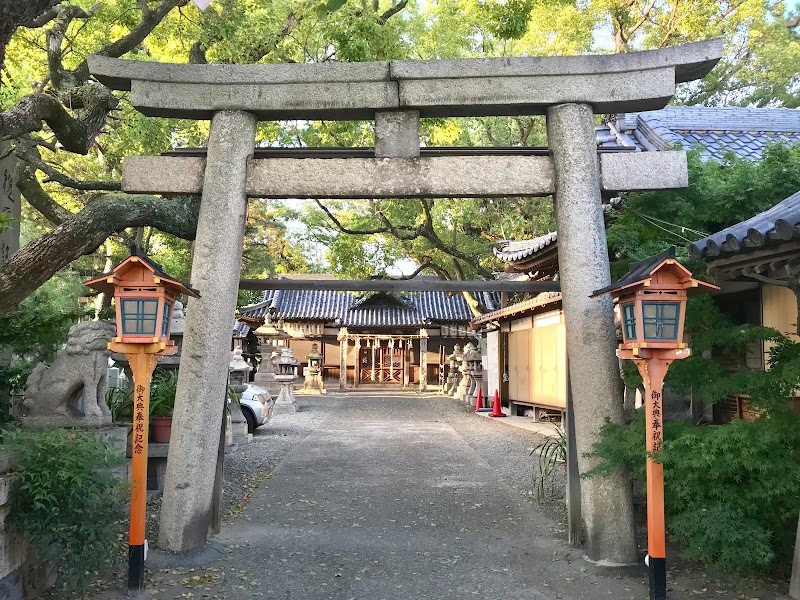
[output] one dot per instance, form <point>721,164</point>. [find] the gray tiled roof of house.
<point>715,130</point>
<point>514,250</point>
<point>772,227</point>
<point>366,311</point>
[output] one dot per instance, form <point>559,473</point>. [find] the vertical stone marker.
<point>9,237</point>
<point>202,379</point>
<point>591,338</point>
<point>9,203</point>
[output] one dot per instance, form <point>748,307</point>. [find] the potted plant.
<point>162,403</point>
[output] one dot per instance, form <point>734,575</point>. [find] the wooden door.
<point>381,365</point>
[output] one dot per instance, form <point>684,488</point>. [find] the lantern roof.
<point>642,272</point>
<point>137,258</point>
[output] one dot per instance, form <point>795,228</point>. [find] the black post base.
<point>658,578</point>
<point>135,570</point>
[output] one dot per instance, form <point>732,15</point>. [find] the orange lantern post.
<point>144,296</point>
<point>652,300</point>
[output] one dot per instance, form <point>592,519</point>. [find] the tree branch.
<point>643,19</point>
<point>136,36</point>
<point>37,197</point>
<point>30,154</point>
<point>344,229</point>
<point>391,12</point>
<point>84,232</point>
<point>77,133</point>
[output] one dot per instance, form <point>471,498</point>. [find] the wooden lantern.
<point>652,301</point>
<point>144,296</point>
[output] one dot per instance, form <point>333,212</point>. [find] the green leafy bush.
<point>66,501</point>
<point>732,492</point>
<point>120,401</point>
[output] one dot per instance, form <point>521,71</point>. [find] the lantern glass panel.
<point>629,321</point>
<point>165,321</point>
<point>661,320</point>
<point>139,316</point>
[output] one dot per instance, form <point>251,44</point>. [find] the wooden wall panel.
<point>519,365</point>
<point>331,354</point>
<point>549,361</point>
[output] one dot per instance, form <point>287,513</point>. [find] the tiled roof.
<point>368,311</point>
<point>638,271</point>
<point>512,251</point>
<point>770,228</point>
<point>716,130</point>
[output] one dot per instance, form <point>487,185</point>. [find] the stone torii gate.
<point>568,90</point>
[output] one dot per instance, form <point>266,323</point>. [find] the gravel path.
<point>399,497</point>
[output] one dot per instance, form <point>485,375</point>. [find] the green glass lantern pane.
<point>139,316</point>
<point>669,331</point>
<point>650,331</point>
<point>166,320</point>
<point>649,309</point>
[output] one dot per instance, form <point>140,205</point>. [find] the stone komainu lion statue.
<point>72,390</point>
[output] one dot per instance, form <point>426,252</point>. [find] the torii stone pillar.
<point>200,398</point>
<point>591,338</point>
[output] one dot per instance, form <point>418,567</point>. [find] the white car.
<point>256,406</point>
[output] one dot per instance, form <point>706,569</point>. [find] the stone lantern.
<point>475,365</point>
<point>313,383</point>
<point>286,366</point>
<point>473,360</point>
<point>268,335</point>
<point>454,376</point>
<point>239,370</point>
<point>465,383</point>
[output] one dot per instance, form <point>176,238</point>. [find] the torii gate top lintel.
<point>634,81</point>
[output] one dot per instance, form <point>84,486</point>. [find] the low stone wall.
<point>12,549</point>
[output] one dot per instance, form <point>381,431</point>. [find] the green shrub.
<point>732,492</point>
<point>66,501</point>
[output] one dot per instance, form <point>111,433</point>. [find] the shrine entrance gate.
<point>568,90</point>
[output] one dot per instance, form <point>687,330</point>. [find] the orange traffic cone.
<point>479,402</point>
<point>496,410</point>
